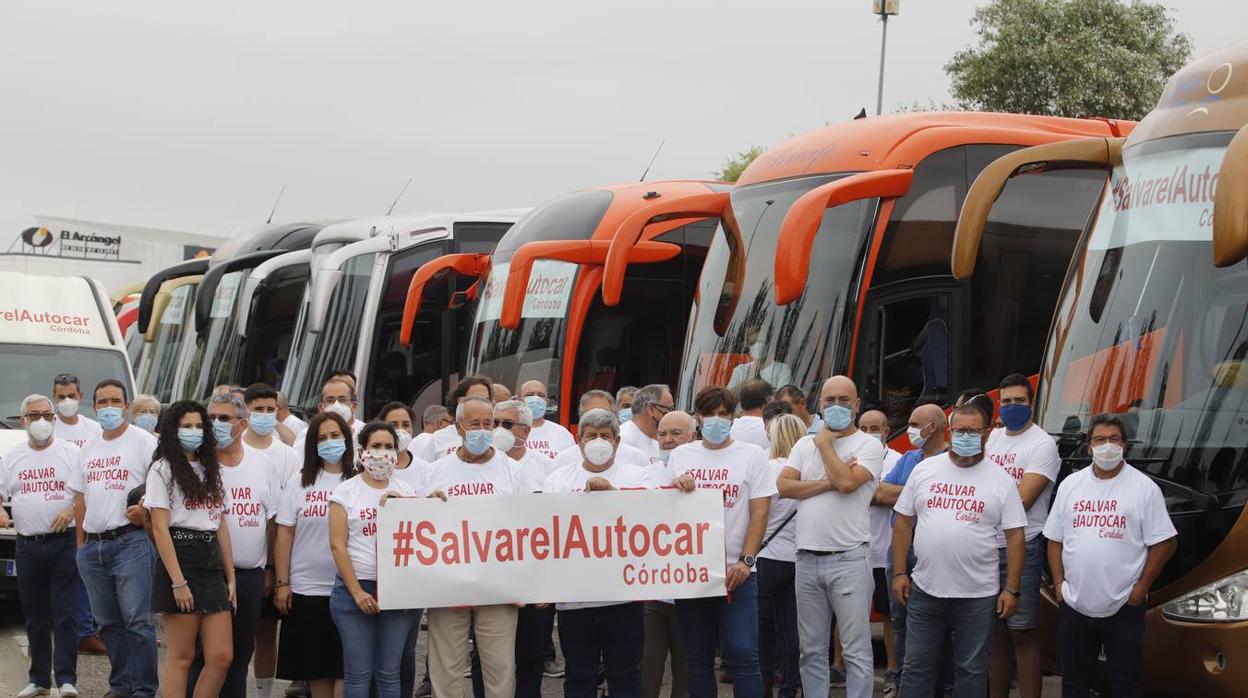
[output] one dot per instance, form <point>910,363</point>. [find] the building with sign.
<point>118,255</point>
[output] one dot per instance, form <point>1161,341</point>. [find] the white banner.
<point>550,287</point>
<point>536,548</point>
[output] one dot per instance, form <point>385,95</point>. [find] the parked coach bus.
<point>1152,324</point>
<point>355,311</point>
<point>540,315</point>
<point>832,258</point>
<point>164,307</point>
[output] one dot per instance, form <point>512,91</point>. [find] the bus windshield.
<point>29,368</point>
<point>1150,329</point>
<point>534,350</point>
<point>314,355</point>
<point>736,334</point>
<point>217,349</point>
<point>161,366</point>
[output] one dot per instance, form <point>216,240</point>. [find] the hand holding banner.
<point>546,548</point>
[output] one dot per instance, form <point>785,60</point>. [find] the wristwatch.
<point>747,560</point>
<point>1013,592</point>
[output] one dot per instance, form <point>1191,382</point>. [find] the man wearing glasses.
<point>115,556</point>
<point>251,495</point>
<point>953,507</point>
<point>641,432</point>
<point>1109,537</point>
<point>69,425</point>
<point>33,480</point>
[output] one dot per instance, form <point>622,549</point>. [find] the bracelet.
<point>901,574</point>
<point>1013,592</point>
<point>281,583</point>
<point>179,586</point>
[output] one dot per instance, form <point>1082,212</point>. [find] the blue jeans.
<point>701,622</point>
<point>836,588</point>
<point>48,585</point>
<point>118,575</point>
<point>372,646</point>
<point>1080,641</point>
<point>615,635</point>
<point>776,589</point>
<point>86,624</point>
<point>1026,617</point>
<point>897,610</point>
<point>930,620</point>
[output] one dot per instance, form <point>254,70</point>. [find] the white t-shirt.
<point>294,424</point>
<point>414,474</point>
<point>750,429</point>
<point>631,435</point>
<point>107,471</point>
<point>77,434</point>
<point>312,568</point>
<point>958,513</point>
<point>163,492</point>
<point>1032,451</point>
<point>420,446</point>
<point>549,439</point>
<point>534,469</point>
<point>286,461</point>
<point>35,482</point>
<point>573,478</point>
<point>740,470</point>
<point>834,521</point>
<point>1105,528</point>
<point>444,443</point>
<point>881,519</point>
<point>459,478</point>
<point>783,545</point>
<point>776,374</point>
<point>252,495</point>
<point>360,500</point>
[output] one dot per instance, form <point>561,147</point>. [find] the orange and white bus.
<point>1152,324</point>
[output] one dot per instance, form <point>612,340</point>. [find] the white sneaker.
<point>68,691</point>
<point>32,690</point>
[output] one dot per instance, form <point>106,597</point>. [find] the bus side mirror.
<point>1230,204</point>
<point>1071,154</point>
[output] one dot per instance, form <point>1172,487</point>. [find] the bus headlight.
<point>1223,601</point>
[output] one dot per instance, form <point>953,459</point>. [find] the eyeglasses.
<point>968,432</point>
<point>32,416</point>
<point>663,409</point>
<point>65,379</point>
<point>224,418</point>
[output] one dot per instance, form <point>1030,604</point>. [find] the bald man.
<point>500,393</point>
<point>833,475</point>
<point>546,437</point>
<point>928,433</point>
<point>875,423</point>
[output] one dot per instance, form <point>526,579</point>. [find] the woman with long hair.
<point>778,648</point>
<point>373,639</point>
<point>310,648</point>
<point>192,587</point>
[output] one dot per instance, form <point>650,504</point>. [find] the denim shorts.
<point>1025,618</point>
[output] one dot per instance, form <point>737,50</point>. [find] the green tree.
<point>1080,58</point>
<point>731,170</point>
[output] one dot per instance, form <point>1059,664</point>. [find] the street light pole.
<point>883,8</point>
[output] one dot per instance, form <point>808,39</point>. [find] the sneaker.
<point>33,690</point>
<point>425,689</point>
<point>297,689</point>
<point>91,645</point>
<point>553,669</point>
<point>890,690</point>
<point>836,677</point>
<point>68,691</point>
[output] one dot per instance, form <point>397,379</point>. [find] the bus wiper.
<point>1202,499</point>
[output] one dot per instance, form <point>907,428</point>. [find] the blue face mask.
<point>626,415</point>
<point>967,445</point>
<point>110,417</point>
<point>191,439</point>
<point>146,421</point>
<point>837,416</point>
<point>478,441</point>
<point>331,451</point>
<point>716,429</point>
<point>224,433</point>
<point>263,423</point>
<point>1015,416</point>
<point>536,405</point>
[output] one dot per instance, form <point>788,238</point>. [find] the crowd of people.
<point>251,533</point>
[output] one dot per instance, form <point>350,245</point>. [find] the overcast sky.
<point>192,116</point>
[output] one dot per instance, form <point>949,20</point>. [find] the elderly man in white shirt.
<point>649,405</point>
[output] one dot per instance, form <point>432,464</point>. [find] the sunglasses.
<point>508,424</point>
<point>65,379</point>
<point>225,418</point>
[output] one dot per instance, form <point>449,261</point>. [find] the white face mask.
<point>1107,456</point>
<point>39,430</point>
<point>405,438</point>
<point>67,407</point>
<point>504,440</point>
<point>341,410</point>
<point>599,451</point>
<point>915,439</point>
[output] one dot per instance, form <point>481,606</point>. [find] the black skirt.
<point>309,647</point>
<point>200,561</point>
